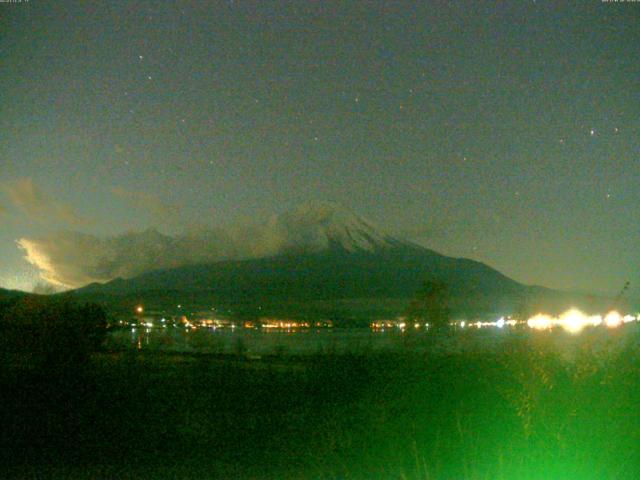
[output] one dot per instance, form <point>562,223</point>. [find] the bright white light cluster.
<point>500,323</point>
<point>574,320</point>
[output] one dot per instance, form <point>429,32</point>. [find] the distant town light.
<point>540,322</point>
<point>139,309</point>
<point>613,319</point>
<point>573,320</point>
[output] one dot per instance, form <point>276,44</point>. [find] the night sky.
<point>507,132</point>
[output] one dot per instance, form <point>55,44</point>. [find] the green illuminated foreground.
<point>526,411</point>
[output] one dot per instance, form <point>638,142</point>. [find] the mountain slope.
<point>7,294</point>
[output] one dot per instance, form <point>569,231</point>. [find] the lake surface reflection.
<point>256,342</point>
<point>297,342</point>
<point>361,340</point>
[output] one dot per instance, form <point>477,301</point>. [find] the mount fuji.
<point>325,261</point>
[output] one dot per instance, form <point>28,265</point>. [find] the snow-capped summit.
<point>322,225</point>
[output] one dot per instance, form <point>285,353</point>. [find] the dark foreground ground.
<point>525,412</point>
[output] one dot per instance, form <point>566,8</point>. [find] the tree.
<point>52,332</point>
<point>430,305</point>
<point>523,309</point>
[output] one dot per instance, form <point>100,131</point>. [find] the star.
<point>592,132</point>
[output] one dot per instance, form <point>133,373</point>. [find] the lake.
<point>354,340</point>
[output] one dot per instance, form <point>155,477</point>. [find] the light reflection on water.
<point>256,342</point>
<point>340,341</point>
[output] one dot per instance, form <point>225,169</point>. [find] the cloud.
<point>44,288</point>
<point>73,259</point>
<point>37,205</point>
<point>161,211</point>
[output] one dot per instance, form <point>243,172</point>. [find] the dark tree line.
<point>51,331</point>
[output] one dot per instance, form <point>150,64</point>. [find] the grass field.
<point>523,412</point>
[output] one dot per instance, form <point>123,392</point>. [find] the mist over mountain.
<point>73,259</point>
